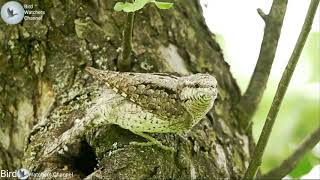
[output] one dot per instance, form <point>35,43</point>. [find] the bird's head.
<point>198,92</point>
<point>197,86</point>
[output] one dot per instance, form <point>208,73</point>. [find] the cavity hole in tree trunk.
<point>86,161</point>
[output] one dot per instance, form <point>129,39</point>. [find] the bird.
<point>162,103</point>
<point>11,13</point>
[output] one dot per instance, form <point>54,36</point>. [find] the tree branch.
<point>282,87</point>
<point>262,14</point>
<point>124,63</point>
<point>290,163</point>
<point>259,79</point>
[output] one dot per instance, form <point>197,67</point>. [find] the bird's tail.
<point>91,70</point>
<point>103,75</point>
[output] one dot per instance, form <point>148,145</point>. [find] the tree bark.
<point>45,91</point>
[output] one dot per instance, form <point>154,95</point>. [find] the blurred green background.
<point>239,30</point>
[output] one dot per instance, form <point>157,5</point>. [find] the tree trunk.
<point>45,92</point>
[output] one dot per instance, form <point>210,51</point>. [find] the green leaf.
<point>305,165</point>
<point>119,6</point>
<point>139,4</point>
<point>163,5</point>
<point>130,7</point>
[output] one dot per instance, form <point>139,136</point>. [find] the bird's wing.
<point>9,11</point>
<point>154,92</point>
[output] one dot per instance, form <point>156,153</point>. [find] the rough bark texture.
<point>43,87</point>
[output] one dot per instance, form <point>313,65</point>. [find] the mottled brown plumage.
<point>161,103</point>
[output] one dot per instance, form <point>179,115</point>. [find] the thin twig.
<point>290,163</point>
<point>253,94</point>
<point>124,63</point>
<point>262,14</point>
<point>282,87</point>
